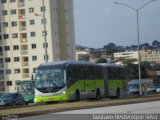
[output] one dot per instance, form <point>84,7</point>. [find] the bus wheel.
<point>118,93</point>
<point>98,96</point>
<point>77,96</point>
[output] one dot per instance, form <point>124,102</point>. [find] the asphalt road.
<point>89,114</point>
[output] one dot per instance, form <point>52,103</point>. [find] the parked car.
<point>158,89</point>
<point>133,89</point>
<point>1,94</point>
<point>152,89</point>
<point>11,99</point>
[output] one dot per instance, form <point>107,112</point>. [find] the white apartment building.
<point>22,44</point>
<point>83,55</point>
<point>126,55</point>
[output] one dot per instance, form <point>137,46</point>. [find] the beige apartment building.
<point>145,55</point>
<point>150,56</point>
<point>22,43</point>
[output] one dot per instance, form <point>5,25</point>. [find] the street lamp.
<point>45,39</point>
<point>137,11</point>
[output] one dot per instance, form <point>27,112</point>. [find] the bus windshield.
<point>50,78</point>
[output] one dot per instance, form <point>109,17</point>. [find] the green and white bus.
<point>72,80</point>
<point>26,88</point>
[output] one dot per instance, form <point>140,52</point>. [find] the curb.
<point>54,110</point>
<point>124,101</point>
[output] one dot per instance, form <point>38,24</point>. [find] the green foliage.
<point>101,60</point>
<point>156,67</point>
<point>132,72</point>
<point>146,65</point>
<point>112,48</point>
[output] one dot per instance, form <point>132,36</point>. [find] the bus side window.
<point>69,73</point>
<point>73,74</point>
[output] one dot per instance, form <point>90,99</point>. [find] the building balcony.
<point>1,77</point>
<point>21,17</point>
<point>23,40</point>
<point>25,75</point>
<point>1,43</point>
<point>25,64</point>
<point>1,53</point>
<point>21,4</point>
<point>23,28</point>
<point>24,52</point>
<point>1,65</point>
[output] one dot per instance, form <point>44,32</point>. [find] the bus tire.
<point>98,95</point>
<point>77,96</point>
<point>118,93</point>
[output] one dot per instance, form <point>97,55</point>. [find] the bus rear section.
<point>114,80</point>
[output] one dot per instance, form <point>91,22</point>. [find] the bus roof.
<point>109,65</point>
<point>65,63</point>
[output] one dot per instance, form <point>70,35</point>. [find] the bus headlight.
<point>34,100</point>
<point>64,92</point>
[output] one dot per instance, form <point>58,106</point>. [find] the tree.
<point>101,60</point>
<point>110,46</point>
<point>146,65</point>
<point>156,67</point>
<point>131,70</point>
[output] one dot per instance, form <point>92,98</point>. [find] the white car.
<point>158,89</point>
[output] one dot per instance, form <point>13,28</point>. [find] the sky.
<point>99,22</point>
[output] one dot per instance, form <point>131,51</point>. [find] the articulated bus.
<point>71,80</point>
<point>26,88</point>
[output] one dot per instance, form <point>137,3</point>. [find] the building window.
<point>15,47</point>
<point>12,1</point>
<point>43,9</point>
<point>34,58</point>
<point>8,71</point>
<point>34,70</point>
<point>45,57</point>
<point>43,20</point>
<point>32,22</point>
<point>43,33</point>
<point>45,45</point>
<point>4,12</point>
<point>5,36</point>
<point>0,27</point>
<point>14,35</point>
<point>13,12</point>
<point>9,83</point>
<point>16,59</point>
<point>5,24</point>
<point>14,23</point>
<point>16,71</point>
<point>2,86</point>
<point>17,82</point>
<point>3,1</point>
<point>33,46</point>
<point>6,48</point>
<point>7,60</point>
<point>33,34</point>
<point>31,10</point>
